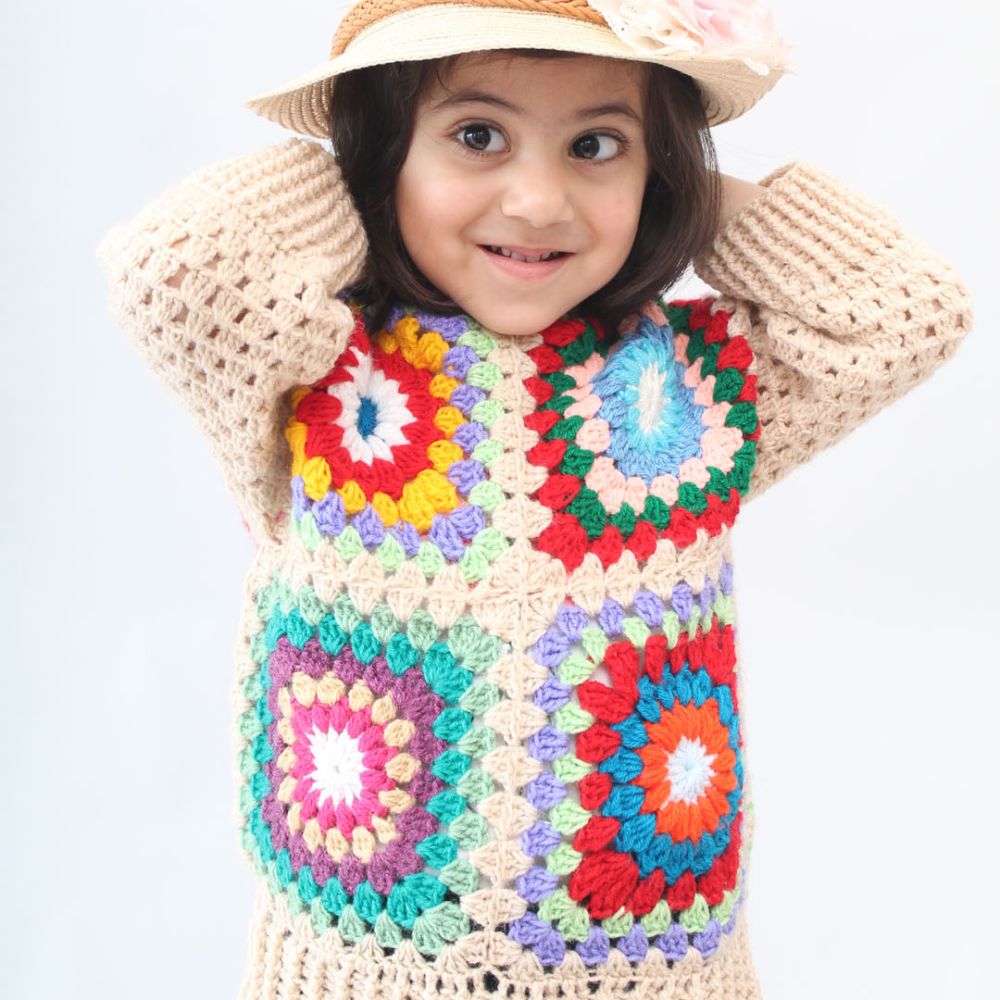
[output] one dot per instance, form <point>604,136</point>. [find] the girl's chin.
<point>518,321</point>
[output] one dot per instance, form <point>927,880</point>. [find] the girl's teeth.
<point>514,255</point>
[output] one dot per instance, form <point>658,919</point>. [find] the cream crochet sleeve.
<point>227,285</point>
<point>844,311</point>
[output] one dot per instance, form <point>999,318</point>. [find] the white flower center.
<point>690,771</point>
<point>651,398</point>
<point>338,765</point>
<point>385,406</point>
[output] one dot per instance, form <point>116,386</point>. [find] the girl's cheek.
<point>620,218</point>
<point>431,180</point>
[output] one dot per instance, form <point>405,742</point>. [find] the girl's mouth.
<point>524,257</point>
<point>524,263</point>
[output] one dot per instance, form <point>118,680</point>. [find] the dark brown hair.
<point>371,124</point>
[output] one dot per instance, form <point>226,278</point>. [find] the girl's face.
<point>521,190</point>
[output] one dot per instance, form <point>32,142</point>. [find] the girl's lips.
<point>523,268</point>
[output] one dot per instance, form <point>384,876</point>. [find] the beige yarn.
<point>226,285</point>
<point>846,312</point>
<point>286,964</point>
<point>366,12</point>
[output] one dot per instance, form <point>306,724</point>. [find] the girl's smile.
<point>525,263</point>
<point>522,187</point>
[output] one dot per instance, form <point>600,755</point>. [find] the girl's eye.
<point>594,146</point>
<point>482,138</point>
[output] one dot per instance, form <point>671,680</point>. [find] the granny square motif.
<point>653,437</point>
<point>369,737</point>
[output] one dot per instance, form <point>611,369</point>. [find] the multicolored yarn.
<point>361,769</point>
<point>391,450</point>
<point>652,438</point>
<point>487,695</point>
<point>362,784</point>
<point>643,722</point>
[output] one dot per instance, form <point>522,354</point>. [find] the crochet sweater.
<point>488,684</point>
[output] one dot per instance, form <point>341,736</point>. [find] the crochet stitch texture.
<point>488,689</point>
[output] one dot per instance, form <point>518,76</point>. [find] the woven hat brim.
<point>729,87</point>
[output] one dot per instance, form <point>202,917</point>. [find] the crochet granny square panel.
<point>372,737</point>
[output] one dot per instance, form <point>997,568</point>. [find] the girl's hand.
<point>735,194</point>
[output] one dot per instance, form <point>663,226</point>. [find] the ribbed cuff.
<point>799,246</point>
<point>295,193</point>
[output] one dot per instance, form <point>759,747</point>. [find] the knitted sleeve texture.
<point>227,285</point>
<point>843,310</point>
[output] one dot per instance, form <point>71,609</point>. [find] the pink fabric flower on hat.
<point>735,29</point>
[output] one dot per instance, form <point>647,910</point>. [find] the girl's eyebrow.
<point>476,97</point>
<point>620,108</point>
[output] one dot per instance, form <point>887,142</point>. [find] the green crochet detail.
<point>453,663</point>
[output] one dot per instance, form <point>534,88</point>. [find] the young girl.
<point>488,685</point>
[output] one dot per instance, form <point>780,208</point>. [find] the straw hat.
<point>730,47</point>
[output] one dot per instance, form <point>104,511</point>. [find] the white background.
<point>867,581</point>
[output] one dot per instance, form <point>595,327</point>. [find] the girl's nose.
<point>537,194</point>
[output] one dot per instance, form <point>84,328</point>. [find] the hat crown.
<point>367,12</point>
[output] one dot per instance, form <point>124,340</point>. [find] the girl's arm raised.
<point>227,285</point>
<point>844,311</point>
